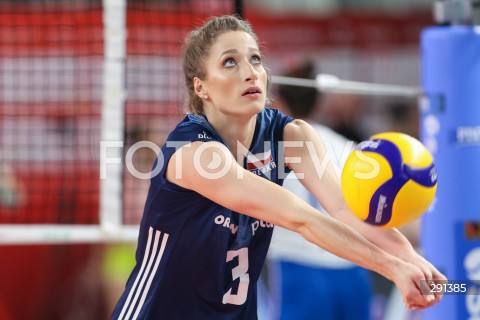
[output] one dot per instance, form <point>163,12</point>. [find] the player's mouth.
<point>252,92</point>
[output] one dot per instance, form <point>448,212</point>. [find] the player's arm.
<point>210,169</point>
<point>320,178</point>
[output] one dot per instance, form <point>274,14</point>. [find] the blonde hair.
<point>197,47</point>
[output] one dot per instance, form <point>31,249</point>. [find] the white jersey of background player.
<point>288,245</point>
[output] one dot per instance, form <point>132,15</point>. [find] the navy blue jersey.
<point>195,258</point>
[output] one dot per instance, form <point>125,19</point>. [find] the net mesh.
<point>51,69</point>
<point>50,98</point>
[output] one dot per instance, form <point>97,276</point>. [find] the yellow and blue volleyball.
<point>389,180</point>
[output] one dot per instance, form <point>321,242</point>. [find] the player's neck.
<point>235,131</point>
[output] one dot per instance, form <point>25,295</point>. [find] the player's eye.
<point>229,62</point>
<point>256,59</point>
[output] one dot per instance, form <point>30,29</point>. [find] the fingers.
<point>418,295</point>
<point>430,299</point>
<point>414,307</point>
<point>437,277</point>
<point>420,302</point>
<point>432,276</point>
<point>426,267</point>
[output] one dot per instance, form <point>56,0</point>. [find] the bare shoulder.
<point>199,151</point>
<point>197,160</point>
<point>297,130</point>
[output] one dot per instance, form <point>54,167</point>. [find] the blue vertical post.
<point>450,128</point>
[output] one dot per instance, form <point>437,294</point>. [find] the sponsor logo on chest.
<point>261,163</point>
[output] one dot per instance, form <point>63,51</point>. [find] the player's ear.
<point>199,87</point>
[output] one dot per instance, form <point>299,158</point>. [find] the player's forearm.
<point>345,242</point>
<point>390,240</point>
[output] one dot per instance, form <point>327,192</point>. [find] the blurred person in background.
<point>345,114</point>
<point>402,115</point>
<point>11,193</point>
<point>305,281</point>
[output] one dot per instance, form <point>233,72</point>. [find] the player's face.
<point>236,81</point>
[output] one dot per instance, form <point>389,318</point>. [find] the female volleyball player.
<point>211,208</point>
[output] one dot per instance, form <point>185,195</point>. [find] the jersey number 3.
<point>239,272</point>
